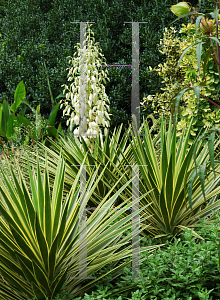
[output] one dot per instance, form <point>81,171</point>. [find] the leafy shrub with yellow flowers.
<point>207,114</point>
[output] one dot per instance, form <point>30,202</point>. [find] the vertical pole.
<point>83,81</point>
<point>135,111</point>
<point>82,227</point>
<point>135,101</point>
<point>135,223</point>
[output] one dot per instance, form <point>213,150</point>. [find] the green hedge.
<point>36,31</point>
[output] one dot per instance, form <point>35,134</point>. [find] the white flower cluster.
<point>87,93</point>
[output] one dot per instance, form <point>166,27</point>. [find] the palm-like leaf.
<point>118,153</point>
<point>39,234</point>
<point>146,153</point>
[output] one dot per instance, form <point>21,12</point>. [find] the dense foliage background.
<point>35,31</point>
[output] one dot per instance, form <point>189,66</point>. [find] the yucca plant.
<point>117,151</point>
<point>155,159</point>
<point>182,193</point>
<point>40,239</point>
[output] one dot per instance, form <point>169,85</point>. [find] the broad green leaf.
<point>59,127</point>
<point>20,58</point>
<point>24,121</point>
<point>52,131</point>
<point>216,12</point>
<point>19,96</point>
<point>53,114</point>
<point>12,123</point>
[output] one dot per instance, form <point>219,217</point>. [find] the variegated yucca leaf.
<point>39,234</point>
<point>181,193</point>
<point>117,151</point>
<point>175,188</point>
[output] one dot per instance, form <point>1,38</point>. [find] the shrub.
<point>36,31</point>
<point>207,115</point>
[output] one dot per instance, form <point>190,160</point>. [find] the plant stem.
<point>204,97</point>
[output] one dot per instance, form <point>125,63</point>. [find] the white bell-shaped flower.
<point>77,107</point>
<point>76,131</point>
<point>76,120</point>
<point>87,93</point>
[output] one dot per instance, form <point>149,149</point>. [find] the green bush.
<point>207,115</point>
<point>36,31</point>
